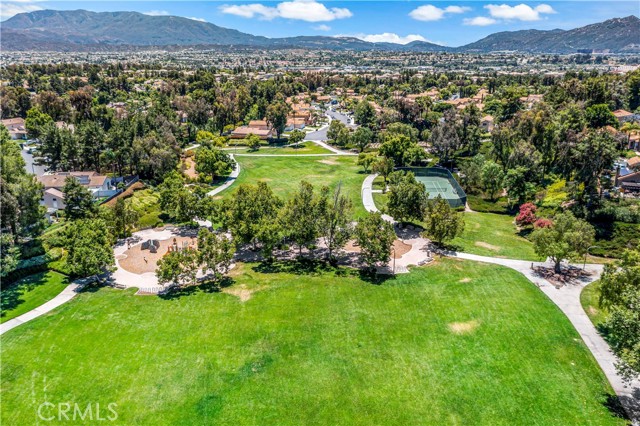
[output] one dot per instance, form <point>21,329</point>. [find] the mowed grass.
<point>495,235</point>
<point>283,174</point>
<point>457,343</point>
<point>29,293</point>
<point>303,148</point>
<point>590,300</point>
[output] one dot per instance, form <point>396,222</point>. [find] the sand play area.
<point>140,261</point>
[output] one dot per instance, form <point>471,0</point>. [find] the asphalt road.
<point>321,135</point>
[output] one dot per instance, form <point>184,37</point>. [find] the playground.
<point>143,257</point>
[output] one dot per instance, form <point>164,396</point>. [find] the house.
<point>623,115</point>
<point>531,100</point>
<point>53,198</point>
<point>243,131</point>
<point>65,125</point>
<point>634,163</point>
<point>294,123</point>
<point>487,123</point>
<point>259,124</point>
<point>629,182</point>
<point>16,128</point>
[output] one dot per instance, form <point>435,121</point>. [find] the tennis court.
<point>440,182</point>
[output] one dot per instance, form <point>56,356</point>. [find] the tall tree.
<point>334,213</point>
<point>407,197</point>
<point>89,247</point>
<point>78,200</point>
<point>375,236</point>
<point>299,217</point>
<point>442,223</point>
<point>215,252</point>
<point>277,116</point>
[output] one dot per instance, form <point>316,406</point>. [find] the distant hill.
<point>617,35</point>
<point>83,30</point>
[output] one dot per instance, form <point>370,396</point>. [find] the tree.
<point>383,167</point>
<point>253,141</point>
<point>9,255</point>
<point>519,189</point>
<point>471,173</point>
<point>277,116</point>
<point>178,267</point>
<point>336,127</point>
<point>299,218</point>
<point>445,140</point>
<point>600,115</point>
<point>89,247</point>
<point>215,252</point>
<point>568,238</point>
<point>592,155</point>
<point>249,213</point>
<point>492,177</point>
<point>375,236</point>
<point>527,215</point>
<point>124,218</point>
<point>35,121</point>
<point>296,137</point>
<point>361,138</point>
<point>177,200</point>
<point>78,200</point>
<point>334,223</point>
<point>620,295</point>
<point>214,162</point>
<point>366,160</point>
<point>442,223</point>
<point>407,197</point>
<point>365,114</point>
<point>396,148</point>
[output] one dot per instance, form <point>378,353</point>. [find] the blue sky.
<point>452,23</point>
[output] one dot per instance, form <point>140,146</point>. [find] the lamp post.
<point>584,265</point>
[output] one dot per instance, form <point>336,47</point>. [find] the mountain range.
<point>81,30</point>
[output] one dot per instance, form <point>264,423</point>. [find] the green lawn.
<point>590,300</point>
<point>283,175</point>
<point>455,343</point>
<point>29,293</point>
<point>304,148</point>
<point>147,203</point>
<point>495,235</point>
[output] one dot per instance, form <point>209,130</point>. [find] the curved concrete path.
<point>567,299</point>
<point>68,293</point>
<point>230,179</point>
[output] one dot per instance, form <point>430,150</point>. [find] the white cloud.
<point>196,19</point>
<point>429,12</point>
<point>322,27</point>
<point>521,12</point>
<point>480,21</point>
<point>250,10</point>
<point>7,10</point>
<point>386,37</point>
<point>303,10</point>
<point>156,13</point>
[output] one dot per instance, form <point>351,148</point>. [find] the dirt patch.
<point>134,260</point>
<point>463,327</point>
<point>329,162</point>
<point>487,246</point>
<point>241,292</point>
<point>351,247</point>
<point>593,311</point>
<point>465,280</point>
<point>401,248</point>
<point>568,276</point>
<point>265,180</point>
<point>189,168</point>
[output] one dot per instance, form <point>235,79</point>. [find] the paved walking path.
<point>567,298</point>
<point>63,297</point>
<point>230,179</point>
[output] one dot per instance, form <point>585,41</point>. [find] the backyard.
<point>454,343</point>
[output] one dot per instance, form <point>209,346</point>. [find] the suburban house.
<point>259,128</point>
<point>99,185</point>
<point>487,123</point>
<point>628,175</point>
<point>16,127</point>
<point>623,115</point>
<point>530,100</point>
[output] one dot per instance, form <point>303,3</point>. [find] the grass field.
<point>283,174</point>
<point>456,343</point>
<point>495,235</point>
<point>304,148</point>
<point>147,204</point>
<point>29,293</point>
<point>590,300</point>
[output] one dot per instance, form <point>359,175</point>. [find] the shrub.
<point>527,215</point>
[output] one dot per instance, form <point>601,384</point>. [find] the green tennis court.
<point>439,182</point>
